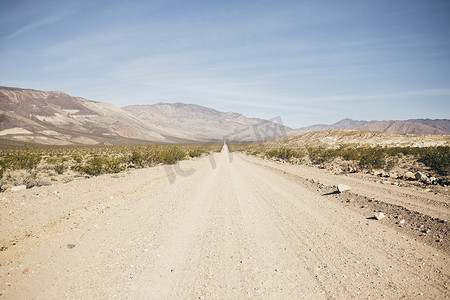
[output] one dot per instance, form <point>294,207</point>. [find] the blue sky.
<point>307,61</point>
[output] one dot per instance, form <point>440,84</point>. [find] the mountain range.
<point>411,126</point>
<point>56,118</point>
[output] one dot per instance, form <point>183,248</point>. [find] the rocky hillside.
<point>55,118</point>
<point>334,138</point>
<point>205,124</point>
<point>412,126</point>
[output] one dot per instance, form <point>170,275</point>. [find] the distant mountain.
<point>413,126</point>
<point>55,118</point>
<point>205,124</point>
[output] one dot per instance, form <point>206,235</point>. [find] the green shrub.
<point>284,153</point>
<point>171,156</point>
<point>372,158</point>
<point>321,155</point>
<point>195,153</point>
<point>437,158</point>
<point>137,159</point>
<point>60,168</point>
<point>115,165</point>
<point>93,166</point>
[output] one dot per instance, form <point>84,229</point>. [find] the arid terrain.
<point>224,226</point>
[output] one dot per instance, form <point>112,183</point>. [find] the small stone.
<point>377,172</point>
<point>70,246</point>
<point>379,215</point>
<point>342,188</point>
<point>393,175</point>
<point>420,176</point>
<point>402,221</point>
<point>409,176</point>
<point>25,271</point>
<point>18,188</point>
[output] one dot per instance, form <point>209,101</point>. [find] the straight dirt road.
<point>220,227</point>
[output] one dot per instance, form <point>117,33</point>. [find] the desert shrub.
<point>137,159</point>
<point>60,168</point>
<point>93,166</point>
<point>321,155</point>
<point>372,158</point>
<point>171,156</point>
<point>28,178</point>
<point>77,158</point>
<point>93,160</point>
<point>348,153</point>
<point>115,165</point>
<point>437,158</point>
<point>26,161</point>
<point>195,153</point>
<point>284,153</point>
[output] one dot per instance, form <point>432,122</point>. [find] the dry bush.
<point>28,178</point>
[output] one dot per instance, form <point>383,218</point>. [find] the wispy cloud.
<point>42,22</point>
<point>383,96</point>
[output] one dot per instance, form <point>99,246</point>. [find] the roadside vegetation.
<point>33,165</point>
<point>357,159</point>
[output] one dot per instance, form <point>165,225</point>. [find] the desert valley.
<point>168,201</point>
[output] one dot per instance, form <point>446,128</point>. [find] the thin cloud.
<point>42,22</point>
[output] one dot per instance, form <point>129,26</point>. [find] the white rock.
<point>343,188</point>
<point>18,188</point>
<point>402,221</point>
<point>409,176</point>
<point>379,215</point>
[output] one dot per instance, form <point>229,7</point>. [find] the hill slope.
<point>55,118</point>
<point>412,126</point>
<point>337,137</point>
<point>59,119</point>
<point>205,124</point>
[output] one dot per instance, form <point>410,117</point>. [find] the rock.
<point>379,215</point>
<point>393,175</point>
<point>401,222</point>
<point>432,180</point>
<point>342,188</point>
<point>420,176</point>
<point>377,172</point>
<point>18,188</point>
<point>70,246</point>
<point>409,176</point>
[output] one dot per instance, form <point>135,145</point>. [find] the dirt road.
<point>226,227</point>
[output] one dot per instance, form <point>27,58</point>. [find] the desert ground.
<point>224,226</point>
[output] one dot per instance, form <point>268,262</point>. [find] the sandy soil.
<point>228,227</point>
